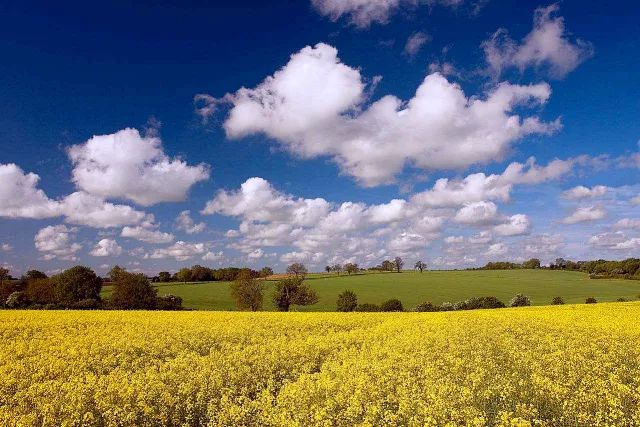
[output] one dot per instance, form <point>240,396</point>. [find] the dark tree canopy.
<point>133,291</point>
<point>76,284</point>
<point>347,301</point>
<point>293,291</point>
<point>420,266</point>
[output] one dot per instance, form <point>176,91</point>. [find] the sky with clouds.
<point>457,132</point>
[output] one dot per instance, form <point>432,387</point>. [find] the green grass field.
<point>413,288</point>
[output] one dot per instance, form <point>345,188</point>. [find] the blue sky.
<point>131,115</point>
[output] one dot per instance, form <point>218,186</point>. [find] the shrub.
<point>367,307</point>
<point>483,302</point>
<point>446,306</point>
<point>169,302</point>
<point>347,301</point>
<point>426,307</point>
<point>85,304</point>
<point>622,300</point>
<point>590,300</point>
<point>557,301</point>
<point>391,305</point>
<point>460,305</point>
<point>520,300</point>
<point>17,299</point>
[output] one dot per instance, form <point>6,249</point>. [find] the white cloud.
<point>627,223</point>
<point>20,197</point>
<point>610,240</point>
<point>362,13</point>
<point>477,213</point>
<point>415,42</point>
<point>180,250</point>
<point>544,245</point>
<point>255,254</point>
<point>497,249</point>
<point>106,247</point>
<point>515,225</point>
<point>185,223</point>
<point>56,241</point>
<point>147,235</point>
<point>582,214</point>
<point>315,106</point>
<point>6,247</point>
<point>84,209</point>
<point>213,256</point>
<point>582,192</point>
<point>547,45</point>
<point>126,165</point>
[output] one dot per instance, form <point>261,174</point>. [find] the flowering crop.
<point>542,366</point>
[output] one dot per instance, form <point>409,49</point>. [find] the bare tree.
<point>420,266</point>
<point>297,269</point>
<point>398,263</point>
<point>351,268</point>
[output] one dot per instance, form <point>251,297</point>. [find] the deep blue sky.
<point>72,70</point>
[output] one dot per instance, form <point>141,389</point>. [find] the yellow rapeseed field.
<point>555,366</point>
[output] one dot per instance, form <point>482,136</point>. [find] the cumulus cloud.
<point>56,241</point>
<point>582,192</point>
<point>415,42</point>
<point>180,251</point>
<point>515,225</point>
<point>547,45</point>
<point>106,247</point>
<point>148,235</point>
<point>477,213</point>
<point>126,165</point>
<point>583,214</point>
<point>362,13</point>
<point>315,106</point>
<point>6,247</point>
<point>84,209</point>
<point>627,223</point>
<point>20,197</point>
<point>614,241</point>
<point>185,223</point>
<point>213,256</point>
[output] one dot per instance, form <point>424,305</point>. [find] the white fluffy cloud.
<point>126,165</point>
<point>515,225</point>
<point>415,42</point>
<point>6,247</point>
<point>84,209</point>
<point>20,197</point>
<point>477,213</point>
<point>213,256</point>
<point>106,247</point>
<point>615,241</point>
<point>148,235</point>
<point>363,13</point>
<point>582,192</point>
<point>56,241</point>
<point>181,251</point>
<point>185,223</point>
<point>627,223</point>
<point>315,106</point>
<point>547,45</point>
<point>583,214</point>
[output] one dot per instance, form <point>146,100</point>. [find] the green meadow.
<point>413,288</point>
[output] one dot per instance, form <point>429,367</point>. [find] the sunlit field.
<point>558,366</point>
<point>413,288</point>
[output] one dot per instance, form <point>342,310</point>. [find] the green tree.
<point>531,264</point>
<point>76,284</point>
<point>41,291</point>
<point>115,272</point>
<point>351,268</point>
<point>247,292</point>
<point>420,266</point>
<point>391,305</point>
<point>266,272</point>
<point>164,276</point>
<point>184,275</point>
<point>387,265</point>
<point>293,291</point>
<point>347,301</point>
<point>34,274</point>
<point>133,291</point>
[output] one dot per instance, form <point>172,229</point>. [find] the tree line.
<point>597,269</point>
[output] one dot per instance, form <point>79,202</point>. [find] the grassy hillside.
<point>413,288</point>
